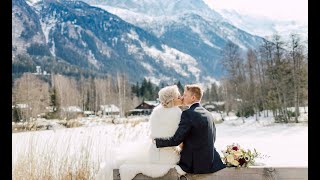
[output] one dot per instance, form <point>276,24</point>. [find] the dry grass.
<point>69,153</point>
<point>49,164</point>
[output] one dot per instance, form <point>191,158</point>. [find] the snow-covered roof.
<point>72,109</point>
<point>219,102</point>
<point>210,106</point>
<point>152,103</point>
<point>88,112</point>
<point>21,106</point>
<point>109,108</point>
<point>137,110</point>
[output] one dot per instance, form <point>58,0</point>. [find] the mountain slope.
<point>189,26</point>
<point>92,38</point>
<point>162,40</point>
<point>26,29</point>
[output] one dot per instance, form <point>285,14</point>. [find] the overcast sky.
<point>275,9</point>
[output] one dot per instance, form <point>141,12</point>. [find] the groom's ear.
<point>195,98</point>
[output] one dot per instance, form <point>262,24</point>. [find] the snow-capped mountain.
<point>264,26</point>
<point>162,40</point>
<point>187,25</point>
<point>90,37</point>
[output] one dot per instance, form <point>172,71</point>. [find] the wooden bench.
<point>251,173</point>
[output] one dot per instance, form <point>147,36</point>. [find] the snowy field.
<point>285,144</point>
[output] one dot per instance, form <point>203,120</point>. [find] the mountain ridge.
<point>95,39</point>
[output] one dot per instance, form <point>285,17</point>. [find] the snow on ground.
<point>285,144</point>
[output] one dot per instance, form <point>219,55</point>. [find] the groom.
<point>198,134</point>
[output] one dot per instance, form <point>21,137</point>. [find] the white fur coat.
<point>144,157</point>
<point>164,121</point>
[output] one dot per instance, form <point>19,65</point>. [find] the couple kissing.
<point>183,140</point>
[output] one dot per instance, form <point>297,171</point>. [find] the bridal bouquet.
<point>235,156</point>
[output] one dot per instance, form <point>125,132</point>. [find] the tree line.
<point>36,95</point>
<point>271,77</point>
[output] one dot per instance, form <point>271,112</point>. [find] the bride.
<point>143,156</point>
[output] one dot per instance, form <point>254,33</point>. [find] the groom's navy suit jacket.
<point>198,134</point>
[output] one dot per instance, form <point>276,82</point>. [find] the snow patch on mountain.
<point>46,26</point>
<point>93,60</point>
<point>175,59</point>
<point>148,67</point>
<point>145,21</point>
<point>133,35</point>
<point>125,14</point>
<point>32,2</point>
<point>197,30</point>
<point>134,50</point>
<point>182,63</point>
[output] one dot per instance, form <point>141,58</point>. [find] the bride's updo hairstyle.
<point>167,94</point>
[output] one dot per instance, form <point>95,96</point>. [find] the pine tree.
<point>143,88</point>
<point>135,89</point>
<point>150,90</point>
<point>181,89</point>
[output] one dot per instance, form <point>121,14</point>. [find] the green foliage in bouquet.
<point>235,156</point>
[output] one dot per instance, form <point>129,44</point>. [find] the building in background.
<point>145,108</point>
<point>110,110</point>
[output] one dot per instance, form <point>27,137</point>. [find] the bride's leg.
<point>179,170</point>
<point>105,172</point>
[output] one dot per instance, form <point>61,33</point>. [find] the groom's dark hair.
<point>195,89</point>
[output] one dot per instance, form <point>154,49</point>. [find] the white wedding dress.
<point>143,156</point>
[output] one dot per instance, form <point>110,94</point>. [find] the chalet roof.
<point>72,109</point>
<point>109,108</point>
<point>21,106</point>
<point>152,103</point>
<point>88,112</point>
<point>137,110</point>
<point>209,106</point>
<point>219,102</point>
<point>216,103</point>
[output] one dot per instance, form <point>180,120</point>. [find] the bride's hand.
<point>181,146</point>
<point>178,148</point>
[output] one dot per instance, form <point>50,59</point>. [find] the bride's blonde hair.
<point>167,94</point>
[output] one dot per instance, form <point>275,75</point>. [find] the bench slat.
<point>252,173</point>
